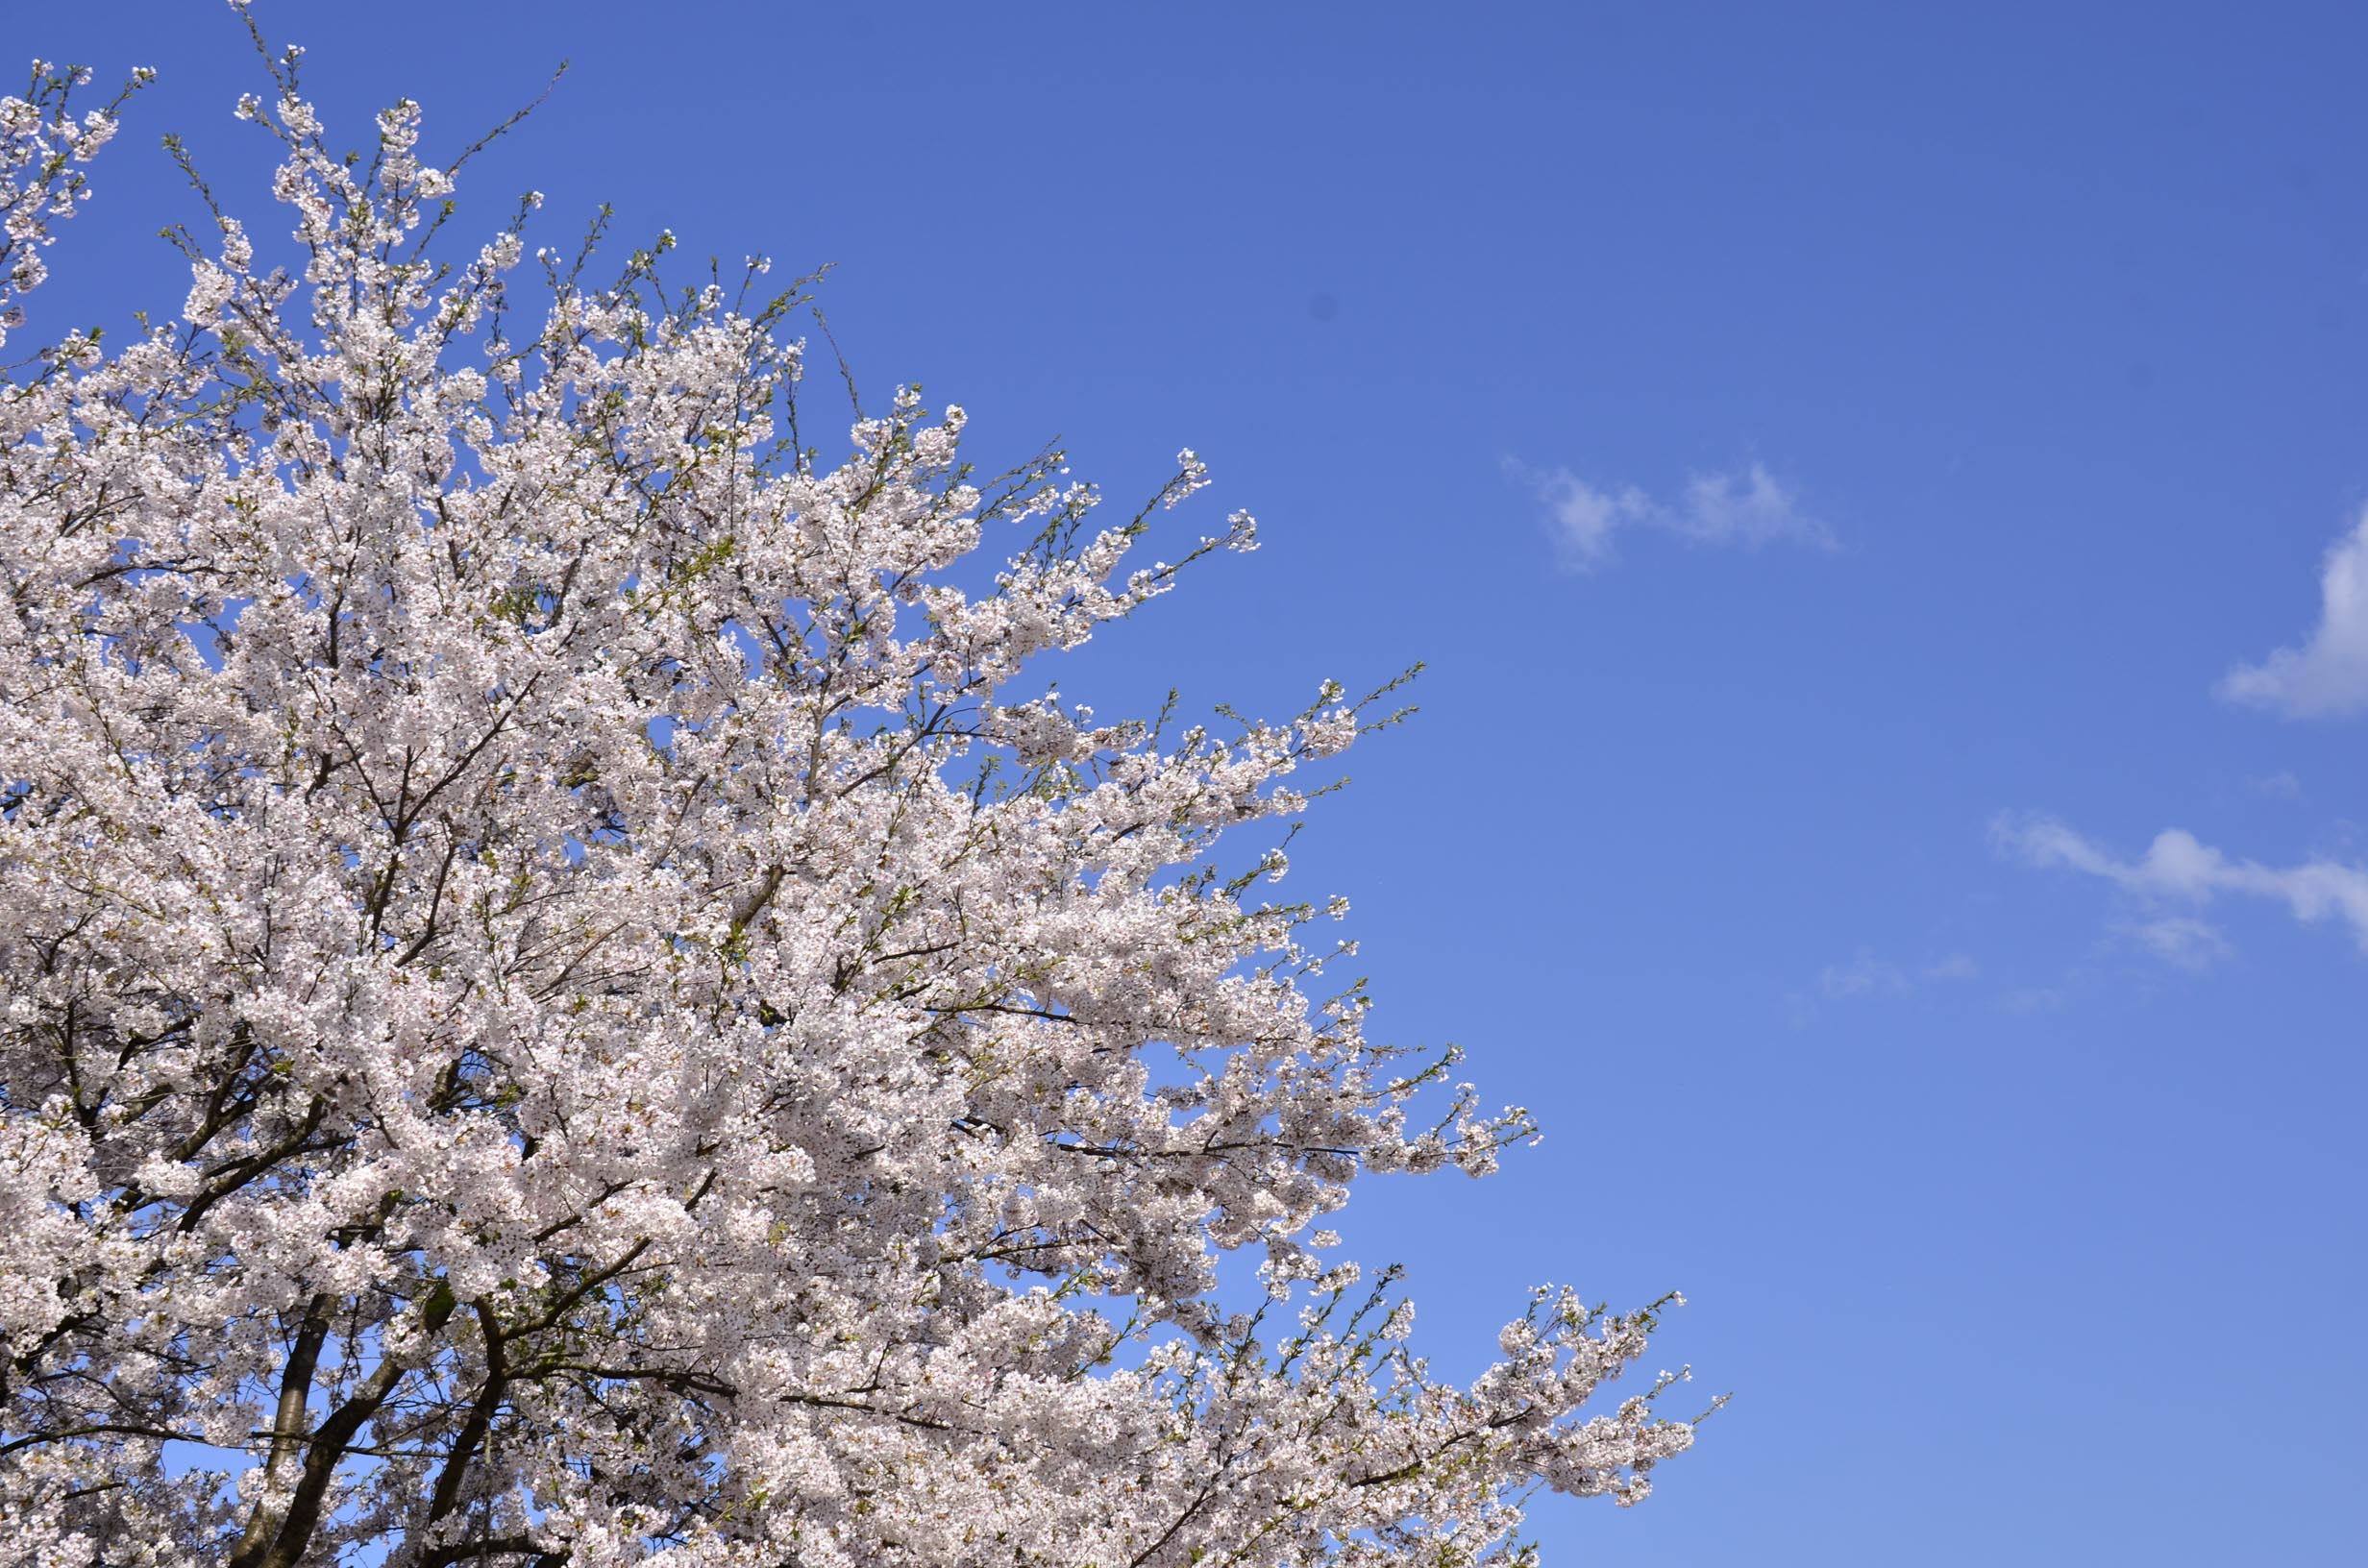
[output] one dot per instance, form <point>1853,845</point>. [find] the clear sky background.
<point>1839,464</point>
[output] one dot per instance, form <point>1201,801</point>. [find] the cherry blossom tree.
<point>562,1007</point>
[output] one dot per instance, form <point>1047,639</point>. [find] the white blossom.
<point>562,1008</point>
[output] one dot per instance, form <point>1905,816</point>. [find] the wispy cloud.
<point>2028,999</point>
<point>1865,976</point>
<point>2328,675</point>
<point>2177,871</point>
<point>1749,508</point>
<point>2183,939</point>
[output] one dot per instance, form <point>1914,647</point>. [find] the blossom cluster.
<point>561,1007</point>
<point>40,144</point>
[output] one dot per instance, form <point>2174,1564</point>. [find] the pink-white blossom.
<point>562,1007</point>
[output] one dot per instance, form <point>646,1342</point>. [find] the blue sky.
<point>1838,464</point>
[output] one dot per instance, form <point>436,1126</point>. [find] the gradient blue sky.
<point>1832,459</point>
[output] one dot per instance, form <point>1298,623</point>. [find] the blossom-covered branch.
<point>561,1010</point>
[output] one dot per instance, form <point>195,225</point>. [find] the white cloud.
<point>1865,975</point>
<point>1750,508</point>
<point>2028,999</point>
<point>2279,786</point>
<point>1954,966</point>
<point>2328,674</point>
<point>1585,518</point>
<point>2183,939</point>
<point>2177,869</point>
<point>1746,508</point>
